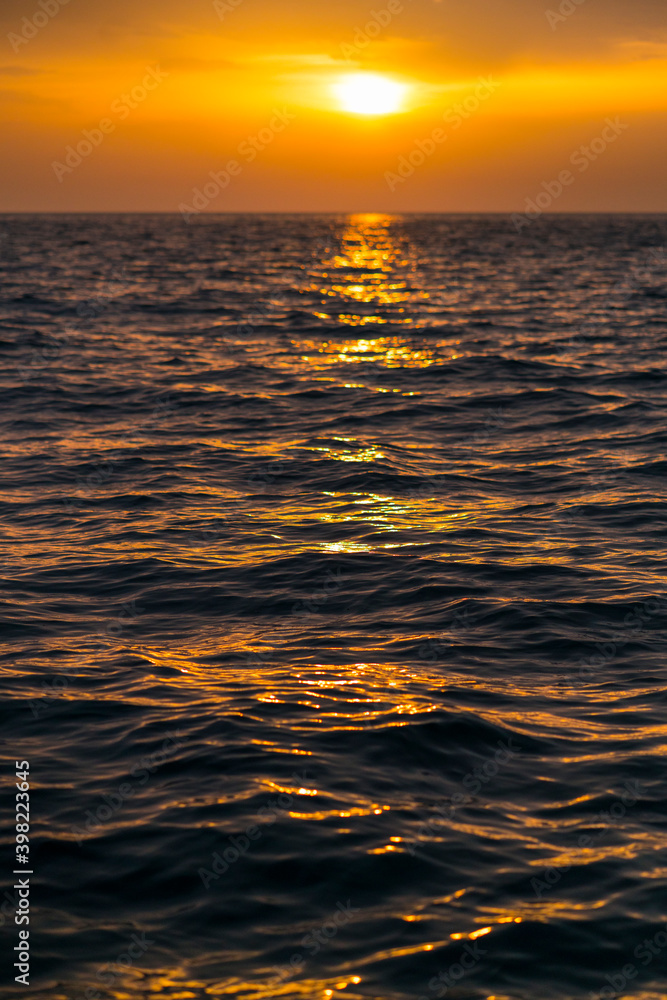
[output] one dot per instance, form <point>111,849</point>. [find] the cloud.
<point>641,49</point>
<point>18,71</point>
<point>10,97</point>
<point>293,59</point>
<point>193,64</point>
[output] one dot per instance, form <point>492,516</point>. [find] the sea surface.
<point>333,605</point>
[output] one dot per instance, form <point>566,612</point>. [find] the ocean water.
<point>334,605</point>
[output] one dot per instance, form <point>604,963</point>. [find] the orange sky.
<point>157,96</point>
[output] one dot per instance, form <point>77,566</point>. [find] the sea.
<point>333,607</point>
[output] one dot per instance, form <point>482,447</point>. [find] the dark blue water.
<point>334,605</point>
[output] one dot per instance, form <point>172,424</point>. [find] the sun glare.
<point>369,94</point>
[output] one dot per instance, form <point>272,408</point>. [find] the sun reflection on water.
<point>367,279</point>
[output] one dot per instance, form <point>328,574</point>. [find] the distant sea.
<point>334,612</point>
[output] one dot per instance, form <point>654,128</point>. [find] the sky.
<point>346,106</point>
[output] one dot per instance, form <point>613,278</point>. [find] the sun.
<point>369,94</point>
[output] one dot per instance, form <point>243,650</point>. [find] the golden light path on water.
<point>277,675</point>
<point>369,285</point>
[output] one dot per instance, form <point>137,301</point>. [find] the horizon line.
<point>176,213</point>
